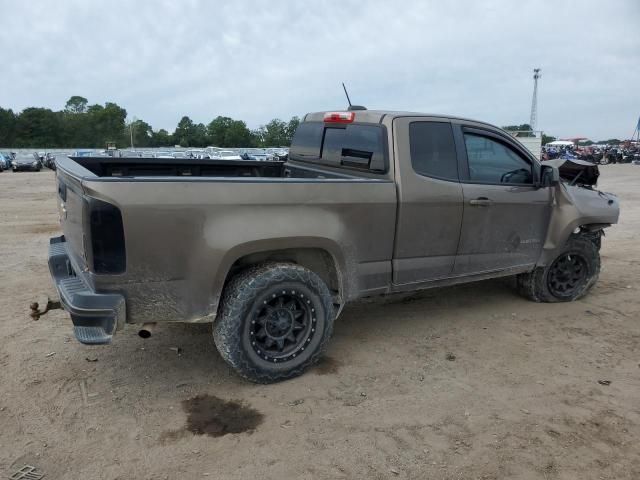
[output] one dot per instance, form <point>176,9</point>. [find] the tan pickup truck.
<point>368,203</point>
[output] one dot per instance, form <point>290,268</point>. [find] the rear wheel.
<point>274,322</point>
<point>568,277</point>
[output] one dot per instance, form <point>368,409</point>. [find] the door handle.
<point>481,202</point>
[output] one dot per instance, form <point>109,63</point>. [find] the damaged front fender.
<point>576,208</point>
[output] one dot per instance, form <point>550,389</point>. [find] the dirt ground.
<point>469,382</point>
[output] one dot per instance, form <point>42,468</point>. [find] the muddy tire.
<point>274,322</point>
<point>595,237</point>
<point>567,277</point>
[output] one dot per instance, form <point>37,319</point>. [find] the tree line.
<point>93,126</point>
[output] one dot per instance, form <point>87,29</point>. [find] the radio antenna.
<point>346,93</point>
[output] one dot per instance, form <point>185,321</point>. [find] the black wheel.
<point>274,322</point>
<point>568,277</point>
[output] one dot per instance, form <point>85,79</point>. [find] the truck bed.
<point>105,167</point>
<point>165,233</point>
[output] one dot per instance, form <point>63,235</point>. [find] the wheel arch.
<point>322,256</point>
<point>580,225</point>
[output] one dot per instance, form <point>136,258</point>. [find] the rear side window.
<point>307,141</point>
<point>354,146</point>
<point>433,151</point>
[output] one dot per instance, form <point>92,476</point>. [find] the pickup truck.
<point>270,252</point>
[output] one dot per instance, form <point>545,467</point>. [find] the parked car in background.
<point>129,153</point>
<point>226,155</point>
<point>26,162</point>
<point>278,153</point>
<point>5,161</point>
<point>49,161</point>
<point>256,154</point>
<point>83,153</point>
<point>163,154</point>
<point>179,155</point>
<point>196,153</point>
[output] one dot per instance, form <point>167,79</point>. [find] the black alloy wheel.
<point>568,274</point>
<point>282,325</point>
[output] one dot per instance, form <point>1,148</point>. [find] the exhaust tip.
<point>146,330</point>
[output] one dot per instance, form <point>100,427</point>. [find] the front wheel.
<point>566,278</point>
<point>274,322</point>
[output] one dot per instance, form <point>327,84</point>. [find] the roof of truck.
<point>375,116</point>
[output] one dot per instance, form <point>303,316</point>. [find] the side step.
<point>92,335</point>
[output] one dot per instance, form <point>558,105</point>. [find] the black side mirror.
<point>549,176</point>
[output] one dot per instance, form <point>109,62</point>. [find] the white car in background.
<point>225,155</point>
<point>196,153</point>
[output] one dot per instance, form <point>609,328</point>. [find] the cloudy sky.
<point>256,60</point>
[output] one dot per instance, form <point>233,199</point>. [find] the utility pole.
<point>533,121</point>
<point>133,120</point>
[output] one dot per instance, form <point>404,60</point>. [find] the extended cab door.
<point>505,214</point>
<point>429,199</point>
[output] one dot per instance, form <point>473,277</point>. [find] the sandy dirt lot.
<point>469,382</point>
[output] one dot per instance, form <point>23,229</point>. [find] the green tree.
<point>38,127</point>
<point>184,132</point>
<point>273,134</point>
<point>162,138</point>
<point>199,136</point>
<point>547,139</point>
<point>227,132</point>
<point>142,133</point>
<point>107,124</point>
<point>217,130</point>
<point>76,104</point>
<point>521,128</point>
<point>7,127</point>
<point>238,135</point>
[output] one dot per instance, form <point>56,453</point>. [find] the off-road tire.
<point>595,237</point>
<point>535,285</point>
<point>244,297</point>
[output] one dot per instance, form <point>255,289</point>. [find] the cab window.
<point>493,162</point>
<point>433,151</point>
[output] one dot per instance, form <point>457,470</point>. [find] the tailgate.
<point>72,208</point>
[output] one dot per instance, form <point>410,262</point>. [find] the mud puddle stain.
<point>212,416</point>
<point>327,366</point>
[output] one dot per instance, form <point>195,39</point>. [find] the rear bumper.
<point>95,316</point>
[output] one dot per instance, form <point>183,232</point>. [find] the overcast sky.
<point>256,60</point>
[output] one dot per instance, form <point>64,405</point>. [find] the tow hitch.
<point>36,313</point>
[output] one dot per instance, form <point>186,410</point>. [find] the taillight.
<point>107,238</point>
<point>339,117</point>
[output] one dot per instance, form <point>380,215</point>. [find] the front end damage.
<point>578,207</point>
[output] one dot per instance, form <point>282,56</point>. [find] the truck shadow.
<point>181,360</point>
<point>188,349</point>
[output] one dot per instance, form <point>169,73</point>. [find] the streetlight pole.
<point>133,120</point>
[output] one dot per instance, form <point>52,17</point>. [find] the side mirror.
<point>549,176</point>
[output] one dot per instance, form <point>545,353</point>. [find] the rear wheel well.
<point>319,261</point>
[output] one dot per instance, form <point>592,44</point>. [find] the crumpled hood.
<point>576,172</point>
